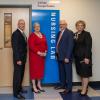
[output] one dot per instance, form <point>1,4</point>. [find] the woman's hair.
<point>36,23</point>
<point>80,21</point>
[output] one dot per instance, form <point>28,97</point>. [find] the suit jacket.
<point>83,45</point>
<point>65,46</point>
<point>19,46</point>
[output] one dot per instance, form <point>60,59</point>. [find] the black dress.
<point>82,49</point>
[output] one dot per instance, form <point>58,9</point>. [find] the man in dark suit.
<point>19,47</point>
<point>64,50</point>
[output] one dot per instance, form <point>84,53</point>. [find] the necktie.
<point>60,35</point>
<point>24,35</point>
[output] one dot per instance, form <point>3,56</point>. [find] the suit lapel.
<point>21,35</point>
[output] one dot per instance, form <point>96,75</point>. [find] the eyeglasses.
<point>62,24</point>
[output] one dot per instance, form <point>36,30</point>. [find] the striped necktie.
<point>60,36</point>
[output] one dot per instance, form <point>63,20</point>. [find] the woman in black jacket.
<point>83,55</point>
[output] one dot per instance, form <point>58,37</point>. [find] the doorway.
<point>9,17</point>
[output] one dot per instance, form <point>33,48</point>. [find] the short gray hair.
<point>36,23</point>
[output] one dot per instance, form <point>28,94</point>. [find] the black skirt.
<point>82,69</point>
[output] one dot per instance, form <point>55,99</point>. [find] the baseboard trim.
<point>92,84</point>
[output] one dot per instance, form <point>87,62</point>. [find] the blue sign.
<point>49,23</point>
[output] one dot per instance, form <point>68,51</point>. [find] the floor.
<point>51,94</point>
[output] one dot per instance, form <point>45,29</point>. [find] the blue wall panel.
<point>49,22</point>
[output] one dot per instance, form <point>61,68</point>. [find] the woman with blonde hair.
<point>83,55</point>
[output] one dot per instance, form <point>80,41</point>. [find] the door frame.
<point>22,6</point>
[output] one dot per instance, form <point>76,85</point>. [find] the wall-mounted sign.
<point>37,4</point>
<point>49,23</point>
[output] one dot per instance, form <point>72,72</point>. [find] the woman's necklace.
<point>39,35</point>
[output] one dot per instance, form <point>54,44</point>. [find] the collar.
<point>80,32</point>
<point>20,30</point>
<point>62,31</point>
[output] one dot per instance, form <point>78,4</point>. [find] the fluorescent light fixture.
<point>54,1</point>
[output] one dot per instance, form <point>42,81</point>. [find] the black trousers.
<point>18,78</point>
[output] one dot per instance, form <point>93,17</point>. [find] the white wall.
<point>88,10</point>
<point>73,10</point>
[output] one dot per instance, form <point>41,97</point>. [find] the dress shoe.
<point>41,90</point>
<point>19,97</point>
<point>23,91</point>
<point>32,89</point>
<point>59,87</point>
<point>35,91</point>
<point>66,92</point>
<point>84,93</point>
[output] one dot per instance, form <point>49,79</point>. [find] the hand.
<point>86,61</point>
<point>43,54</point>
<point>45,51</point>
<point>19,62</point>
<point>66,60</point>
<point>39,53</point>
